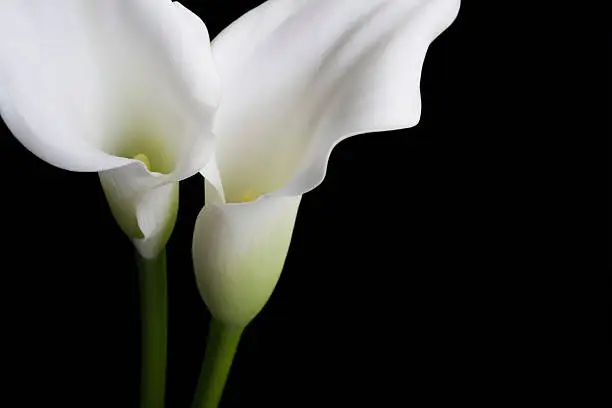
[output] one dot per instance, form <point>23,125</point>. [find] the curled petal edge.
<point>238,254</point>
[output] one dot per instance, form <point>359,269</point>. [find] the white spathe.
<point>239,251</point>
<point>297,77</point>
<point>89,85</point>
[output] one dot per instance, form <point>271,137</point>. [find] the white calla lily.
<point>126,88</point>
<point>249,243</point>
<point>297,78</point>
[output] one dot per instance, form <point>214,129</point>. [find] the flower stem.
<point>220,350</point>
<point>154,322</point>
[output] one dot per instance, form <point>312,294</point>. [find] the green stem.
<point>220,350</point>
<point>154,322</point>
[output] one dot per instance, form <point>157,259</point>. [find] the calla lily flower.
<point>126,88</point>
<point>297,78</point>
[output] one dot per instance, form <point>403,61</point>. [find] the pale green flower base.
<point>220,350</point>
<point>154,321</point>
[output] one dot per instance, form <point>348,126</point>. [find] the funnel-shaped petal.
<point>297,76</point>
<point>238,254</point>
<point>96,85</point>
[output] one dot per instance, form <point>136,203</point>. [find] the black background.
<point>404,282</point>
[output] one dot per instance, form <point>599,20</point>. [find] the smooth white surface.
<point>297,77</point>
<point>238,254</point>
<point>87,85</point>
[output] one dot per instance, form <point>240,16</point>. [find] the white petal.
<point>144,208</point>
<point>213,189</point>
<point>157,211</point>
<point>299,76</point>
<point>238,254</point>
<point>86,84</point>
